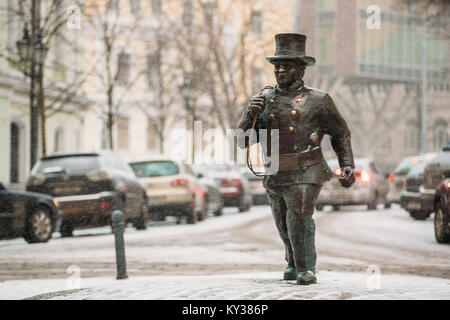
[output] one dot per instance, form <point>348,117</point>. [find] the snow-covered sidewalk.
<point>245,286</point>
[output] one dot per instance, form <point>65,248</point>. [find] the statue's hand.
<point>347,178</point>
<point>256,105</point>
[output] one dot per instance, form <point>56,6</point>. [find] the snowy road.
<point>244,248</point>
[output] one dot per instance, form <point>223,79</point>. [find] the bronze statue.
<point>303,116</point>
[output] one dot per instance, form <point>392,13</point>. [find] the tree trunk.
<point>42,109</point>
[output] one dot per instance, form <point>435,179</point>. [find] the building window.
<point>14,153</point>
<point>123,68</point>
<point>113,5</point>
<point>440,135</point>
<point>59,140</point>
<point>135,6</point>
<point>77,139</point>
<point>187,12</point>
<point>156,7</point>
<point>122,132</point>
<point>209,12</point>
<point>152,134</point>
<point>105,137</point>
<point>256,23</point>
<point>152,65</point>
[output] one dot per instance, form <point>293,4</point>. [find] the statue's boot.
<point>306,278</point>
<point>290,273</point>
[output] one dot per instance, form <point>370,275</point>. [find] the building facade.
<point>65,126</point>
<point>370,56</point>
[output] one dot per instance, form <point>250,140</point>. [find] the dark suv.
<point>411,199</point>
<point>442,211</point>
<point>89,187</point>
<point>435,171</point>
<point>33,215</point>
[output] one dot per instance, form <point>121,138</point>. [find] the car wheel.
<point>38,226</point>
<point>336,208</point>
<point>218,212</point>
<point>419,215</point>
<point>387,204</point>
<point>204,213</point>
<point>66,229</point>
<point>372,205</point>
<point>441,221</point>
<point>192,216</point>
<point>243,206</point>
<point>319,207</point>
<point>141,222</point>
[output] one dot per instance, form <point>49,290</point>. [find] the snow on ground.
<point>233,257</point>
<point>245,286</point>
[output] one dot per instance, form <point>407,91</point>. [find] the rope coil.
<point>249,163</point>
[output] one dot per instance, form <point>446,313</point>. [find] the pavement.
<point>381,254</point>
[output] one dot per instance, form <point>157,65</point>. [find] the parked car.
<point>214,200</point>
<point>411,200</point>
<point>442,211</point>
<point>32,215</point>
<point>172,189</point>
<point>397,179</point>
<point>259,194</point>
<point>435,171</point>
<point>370,188</point>
<point>89,186</point>
<point>234,187</point>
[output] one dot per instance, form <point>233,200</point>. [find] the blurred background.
<point>92,93</point>
<point>122,74</point>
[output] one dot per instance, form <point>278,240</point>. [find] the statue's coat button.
<point>293,112</point>
<point>291,129</point>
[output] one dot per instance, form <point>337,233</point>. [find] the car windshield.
<point>360,164</point>
<point>406,165</point>
<point>210,169</point>
<point>417,169</point>
<point>155,169</point>
<point>70,164</point>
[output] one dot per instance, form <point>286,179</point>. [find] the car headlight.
<point>56,203</point>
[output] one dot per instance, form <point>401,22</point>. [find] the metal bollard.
<point>118,228</point>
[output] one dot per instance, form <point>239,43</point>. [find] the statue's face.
<point>287,72</point>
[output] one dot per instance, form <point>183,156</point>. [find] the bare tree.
<point>163,72</point>
<point>435,12</point>
<point>219,57</point>
<point>429,8</point>
<point>113,29</point>
<point>50,19</point>
<point>368,107</point>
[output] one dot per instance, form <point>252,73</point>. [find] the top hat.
<point>291,46</point>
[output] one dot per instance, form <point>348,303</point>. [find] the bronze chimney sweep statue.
<point>303,116</point>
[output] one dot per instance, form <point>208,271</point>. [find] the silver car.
<point>370,188</point>
<point>259,194</point>
<point>397,179</point>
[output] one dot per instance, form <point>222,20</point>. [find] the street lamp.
<point>33,52</point>
<point>24,46</point>
<point>188,90</point>
<point>40,50</point>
